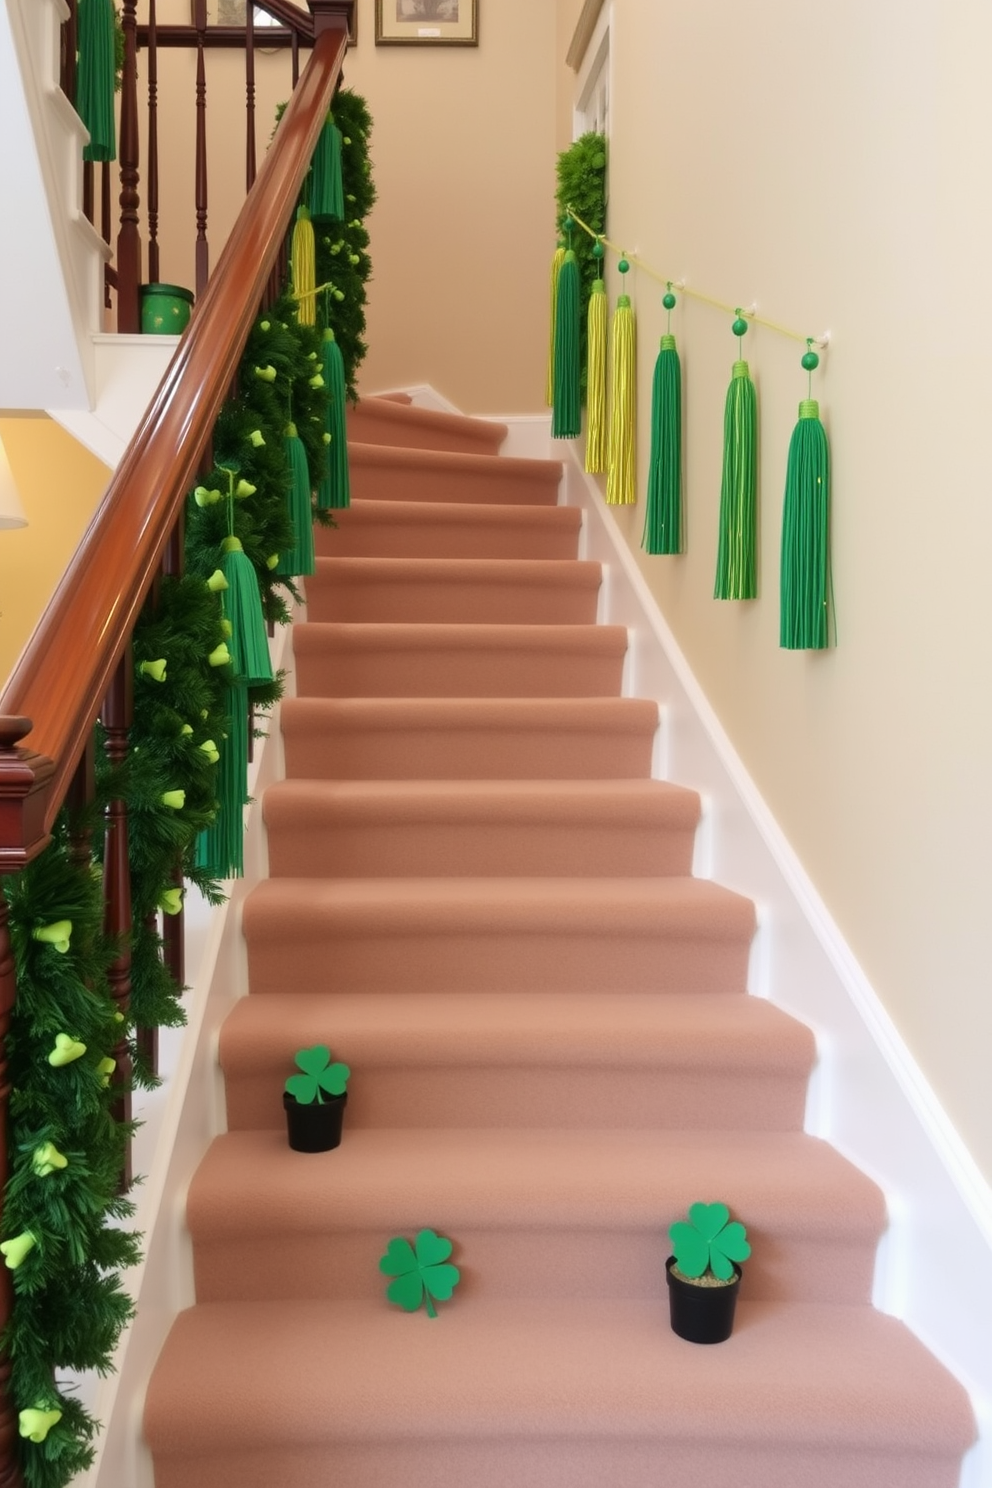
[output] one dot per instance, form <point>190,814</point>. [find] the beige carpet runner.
<point>484,905</point>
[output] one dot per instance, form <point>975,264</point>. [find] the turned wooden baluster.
<point>249,97</point>
<point>67,53</point>
<point>117,715</point>
<point>202,247</point>
<point>129,236</point>
<point>153,264</point>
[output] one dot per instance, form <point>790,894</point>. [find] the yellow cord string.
<point>695,294</point>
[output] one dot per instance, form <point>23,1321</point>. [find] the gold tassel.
<point>556,264</point>
<point>621,488</point>
<point>596,430</point>
<point>303,260</point>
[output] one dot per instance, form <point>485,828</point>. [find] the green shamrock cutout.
<point>420,1276</point>
<point>709,1241</point>
<point>319,1074</point>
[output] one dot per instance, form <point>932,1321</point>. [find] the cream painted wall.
<point>832,164</point>
<point>464,155</point>
<point>60,485</point>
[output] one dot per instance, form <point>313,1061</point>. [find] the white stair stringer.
<point>53,261</point>
<point>126,372</point>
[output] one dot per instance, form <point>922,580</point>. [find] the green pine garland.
<point>69,1307</point>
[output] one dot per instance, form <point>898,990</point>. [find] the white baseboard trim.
<point>868,1096</point>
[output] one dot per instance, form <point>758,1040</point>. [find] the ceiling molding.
<point>583,33</point>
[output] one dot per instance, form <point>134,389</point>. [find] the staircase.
<point>484,904</point>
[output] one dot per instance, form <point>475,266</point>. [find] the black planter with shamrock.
<point>703,1275</point>
<point>314,1101</point>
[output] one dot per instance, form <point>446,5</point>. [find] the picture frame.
<point>233,13</point>
<point>427,22</point>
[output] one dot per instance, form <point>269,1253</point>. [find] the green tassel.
<point>805,611</point>
<point>95,78</point>
<point>326,182</point>
<point>566,417</point>
<point>298,561</point>
<point>334,491</point>
<point>621,467</point>
<point>663,519</point>
<point>248,644</point>
<point>736,563</point>
<point>220,849</point>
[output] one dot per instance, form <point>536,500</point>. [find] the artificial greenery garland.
<point>582,185</point>
<point>61,1237</point>
<point>61,1206</point>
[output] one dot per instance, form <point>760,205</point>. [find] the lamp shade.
<point>11,511</point>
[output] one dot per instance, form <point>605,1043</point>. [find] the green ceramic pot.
<point>165,309</point>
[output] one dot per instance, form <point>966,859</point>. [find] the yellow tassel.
<point>303,260</point>
<point>621,485</point>
<point>556,264</point>
<point>596,428</point>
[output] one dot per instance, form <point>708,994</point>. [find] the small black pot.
<point>315,1127</point>
<point>702,1314</point>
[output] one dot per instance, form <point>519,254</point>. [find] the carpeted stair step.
<point>549,1394</point>
<point>468,738</point>
<point>416,660</point>
<point>438,829</point>
<point>558,1059</point>
<point>445,529</point>
<point>383,421</point>
<point>536,1214</point>
<point>382,474</point>
<point>497,935</point>
<point>469,591</point>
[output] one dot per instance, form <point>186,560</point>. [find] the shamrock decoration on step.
<point>709,1242</point>
<point>419,1271</point>
<point>319,1074</point>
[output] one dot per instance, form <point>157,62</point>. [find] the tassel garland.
<point>298,561</point>
<point>736,563</point>
<point>556,263</point>
<point>248,642</point>
<point>95,77</point>
<point>303,265</point>
<point>326,183</point>
<point>621,487</point>
<point>220,848</point>
<point>334,491</point>
<point>566,417</point>
<point>805,580</point>
<point>596,428</point>
<point>663,518</point>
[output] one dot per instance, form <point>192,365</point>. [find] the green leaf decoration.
<point>420,1272</point>
<point>319,1075</point>
<point>710,1241</point>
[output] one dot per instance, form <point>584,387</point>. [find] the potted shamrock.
<point>314,1101</point>
<point>703,1274</point>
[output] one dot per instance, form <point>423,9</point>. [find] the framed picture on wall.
<point>233,13</point>
<point>427,22</point>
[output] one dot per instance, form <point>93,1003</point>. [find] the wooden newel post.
<point>129,237</point>
<point>24,778</point>
<point>117,716</point>
<point>331,14</point>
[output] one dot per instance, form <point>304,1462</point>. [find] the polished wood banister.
<point>63,675</point>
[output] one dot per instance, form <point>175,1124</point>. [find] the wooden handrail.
<point>63,675</point>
